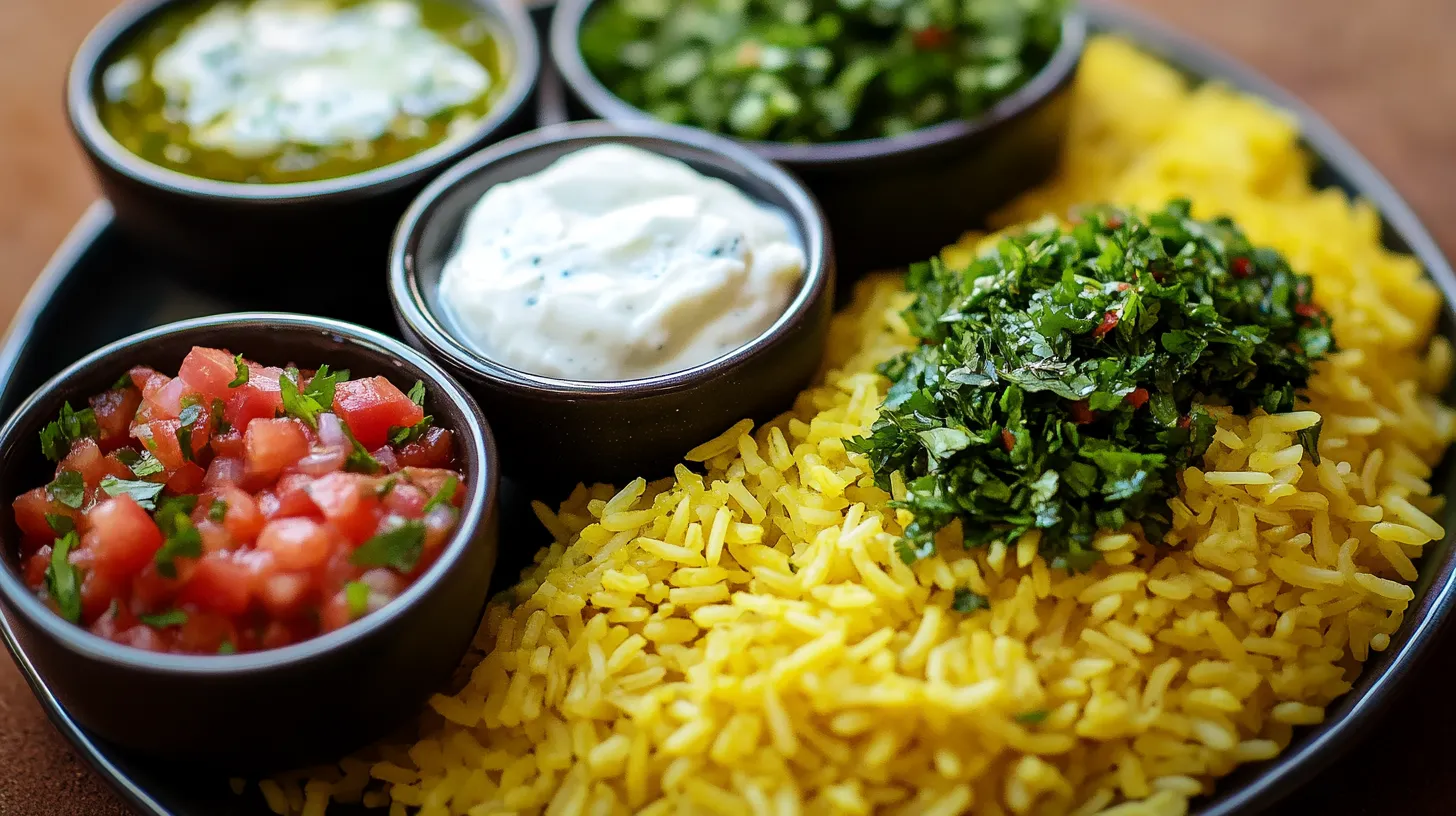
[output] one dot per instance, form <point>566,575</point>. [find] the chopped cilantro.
<point>1031,717</point>
<point>68,489</point>
<point>227,648</point>
<point>123,382</point>
<point>1062,378</point>
<point>57,437</point>
<point>60,524</point>
<point>398,549</point>
<point>967,601</point>
<point>189,416</point>
<point>62,582</point>
<point>360,460</point>
<point>162,620</point>
<point>357,594</point>
<point>143,493</point>
<point>400,435</point>
<point>181,538</point>
<point>445,495</point>
<point>242,372</point>
<point>220,425</point>
<point>313,399</point>
<point>417,393</point>
<point>217,511</point>
<point>386,487</point>
<point>141,464</point>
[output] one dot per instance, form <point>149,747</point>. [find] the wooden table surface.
<point>1384,74</point>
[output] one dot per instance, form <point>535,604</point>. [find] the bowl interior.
<point>509,24</point>
<point>431,232</point>
<point>272,339</point>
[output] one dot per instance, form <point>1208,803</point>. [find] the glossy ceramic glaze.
<point>332,231</point>
<point>556,432</point>
<point>891,200</point>
<point>276,708</point>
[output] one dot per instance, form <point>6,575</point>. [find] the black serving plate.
<point>100,287</point>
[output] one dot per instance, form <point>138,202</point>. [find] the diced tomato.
<point>347,503</point>
<point>165,401</point>
<point>35,567</point>
<point>31,509</point>
<point>151,591</point>
<point>122,538</point>
<point>406,500</point>
<point>296,543</point>
<point>1081,414</point>
<point>214,536</point>
<point>1240,267</point>
<point>372,406</point>
<point>225,470</point>
<point>230,443</point>
<point>293,498</point>
<point>205,632</point>
<point>220,584</point>
<point>208,372</point>
<point>283,593</point>
<point>434,449</point>
<point>431,480</point>
<point>160,437</point>
<point>186,479</point>
<point>274,444</point>
<point>242,519</point>
<point>143,637</point>
<point>1137,398</point>
<point>114,412</point>
<point>85,458</point>
<point>147,379</point>
<point>1109,322</point>
<point>98,589</point>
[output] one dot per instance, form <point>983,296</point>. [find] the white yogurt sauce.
<point>615,263</point>
<point>250,79</point>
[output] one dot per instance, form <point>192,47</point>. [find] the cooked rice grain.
<point>747,641</point>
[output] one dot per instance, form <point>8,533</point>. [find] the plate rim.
<point>1188,54</point>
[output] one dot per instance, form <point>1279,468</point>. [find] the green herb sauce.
<point>1065,378</point>
<point>818,70</point>
<point>281,91</point>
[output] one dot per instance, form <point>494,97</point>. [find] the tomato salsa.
<point>237,507</point>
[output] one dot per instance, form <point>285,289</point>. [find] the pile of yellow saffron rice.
<point>748,642</point>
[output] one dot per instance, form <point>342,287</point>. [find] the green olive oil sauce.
<point>280,91</point>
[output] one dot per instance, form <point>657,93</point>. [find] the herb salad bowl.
<point>279,708</point>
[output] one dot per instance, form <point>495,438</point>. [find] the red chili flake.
<point>1240,267</point>
<point>1307,310</point>
<point>1109,322</point>
<point>931,38</point>
<point>1185,422</point>
<point>1007,439</point>
<point>1081,414</point>
<point>1137,398</point>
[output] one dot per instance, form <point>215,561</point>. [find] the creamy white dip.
<point>615,263</point>
<point>251,79</point>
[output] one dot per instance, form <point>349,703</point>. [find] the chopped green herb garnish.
<point>967,601</point>
<point>242,372</point>
<point>398,549</point>
<point>68,489</point>
<point>123,382</point>
<point>57,437</point>
<point>62,582</point>
<point>141,464</point>
<point>357,594</point>
<point>217,511</point>
<point>1031,717</point>
<point>315,398</point>
<point>162,620</point>
<point>360,460</point>
<point>1063,379</point>
<point>114,609</point>
<point>189,416</point>
<point>60,524</point>
<point>445,495</point>
<point>220,425</point>
<point>182,540</point>
<point>417,393</point>
<point>143,493</point>
<point>399,435</point>
<point>227,648</point>
<point>386,487</point>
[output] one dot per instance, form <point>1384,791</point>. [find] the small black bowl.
<point>556,432</point>
<point>305,703</point>
<point>892,200</point>
<point>335,230</point>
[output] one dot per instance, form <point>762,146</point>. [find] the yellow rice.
<point>747,641</point>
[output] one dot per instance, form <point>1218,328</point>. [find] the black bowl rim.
<point>483,496</point>
<point>509,17</point>
<point>412,306</point>
<point>564,46</point>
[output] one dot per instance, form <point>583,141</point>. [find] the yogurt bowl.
<point>605,427</point>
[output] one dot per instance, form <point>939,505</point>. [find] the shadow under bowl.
<point>317,233</point>
<point>305,703</point>
<point>555,433</point>
<point>893,200</point>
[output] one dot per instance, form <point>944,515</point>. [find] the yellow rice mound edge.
<point>747,642</point>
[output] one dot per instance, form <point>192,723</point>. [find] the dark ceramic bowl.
<point>309,702</point>
<point>336,230</point>
<point>895,200</point>
<point>557,432</point>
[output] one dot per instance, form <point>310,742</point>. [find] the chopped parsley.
<point>313,399</point>
<point>357,594</point>
<point>417,393</point>
<point>123,382</point>
<point>398,549</point>
<point>189,416</point>
<point>162,620</point>
<point>401,435</point>
<point>141,464</point>
<point>217,511</point>
<point>445,495</point>
<point>182,540</point>
<point>242,372</point>
<point>220,425</point>
<point>62,582</point>
<point>57,437</point>
<point>1064,379</point>
<point>967,601</point>
<point>143,493</point>
<point>60,524</point>
<point>227,648</point>
<point>68,489</point>
<point>360,460</point>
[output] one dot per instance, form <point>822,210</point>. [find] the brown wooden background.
<point>1383,72</point>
